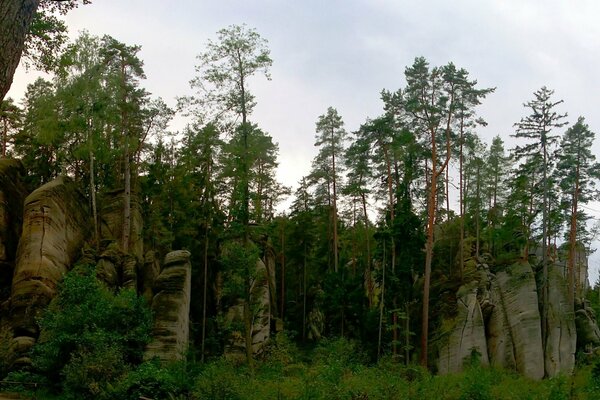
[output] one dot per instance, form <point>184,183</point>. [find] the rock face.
<point>561,339</point>
<point>588,333</point>
<point>55,223</point>
<point>260,306</point>
<point>519,304</point>
<point>111,222</point>
<point>467,334</point>
<point>12,195</point>
<point>498,315</point>
<point>171,308</point>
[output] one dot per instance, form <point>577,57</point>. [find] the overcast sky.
<point>343,53</point>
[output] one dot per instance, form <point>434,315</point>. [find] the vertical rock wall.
<point>55,225</point>
<point>260,319</point>
<point>467,335</point>
<point>561,340</point>
<point>520,300</point>
<point>111,222</point>
<point>171,308</point>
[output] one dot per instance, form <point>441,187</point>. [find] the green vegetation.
<point>89,338</point>
<point>366,269</point>
<point>337,370</point>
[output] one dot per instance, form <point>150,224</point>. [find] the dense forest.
<point>412,254</point>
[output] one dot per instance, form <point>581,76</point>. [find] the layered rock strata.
<point>55,225</point>
<point>171,308</point>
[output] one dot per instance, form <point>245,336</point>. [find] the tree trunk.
<point>431,211</point>
<point>248,332</point>
<point>127,169</point>
<point>478,210</point>
<point>428,257</point>
<point>93,196</point>
<point>4,136</point>
<point>573,242</point>
<point>204,291</point>
<point>335,232</point>
<point>381,305</point>
<point>282,269</point>
<point>304,294</point>
<point>393,242</point>
<point>544,248</point>
<point>461,201</point>
<point>15,20</point>
<point>368,241</point>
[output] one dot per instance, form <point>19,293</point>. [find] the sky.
<point>342,53</point>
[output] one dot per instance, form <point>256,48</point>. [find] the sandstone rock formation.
<point>467,331</point>
<point>561,338</point>
<point>588,333</point>
<point>260,319</point>
<point>148,274</point>
<point>55,224</point>
<point>111,222</point>
<point>171,308</point>
<point>519,297</point>
<point>498,315</point>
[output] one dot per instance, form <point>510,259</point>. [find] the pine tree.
<point>537,130</point>
<point>579,172</point>
<point>330,140</point>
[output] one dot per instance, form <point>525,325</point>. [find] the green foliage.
<point>89,336</point>
<point>152,380</point>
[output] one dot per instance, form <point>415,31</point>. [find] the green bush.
<point>220,380</point>
<point>154,381</point>
<point>90,337</point>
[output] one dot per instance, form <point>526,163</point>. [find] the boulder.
<point>588,333</point>
<point>55,224</point>
<point>171,308</point>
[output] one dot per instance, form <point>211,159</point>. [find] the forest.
<point>413,260</point>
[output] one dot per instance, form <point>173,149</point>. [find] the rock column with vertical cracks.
<point>55,224</point>
<point>171,308</point>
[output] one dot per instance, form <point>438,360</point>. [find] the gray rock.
<point>171,308</point>
<point>55,224</point>
<point>561,338</point>
<point>520,300</point>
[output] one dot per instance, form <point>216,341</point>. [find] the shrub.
<point>90,337</point>
<point>220,381</point>
<point>154,381</point>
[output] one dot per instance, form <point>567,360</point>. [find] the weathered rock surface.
<point>55,223</point>
<point>588,333</point>
<point>468,335</point>
<point>520,299</point>
<point>501,349</point>
<point>561,338</point>
<point>467,331</point>
<point>260,319</point>
<point>498,316</point>
<point>148,274</point>
<point>12,195</point>
<point>171,308</point>
<point>111,222</point>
